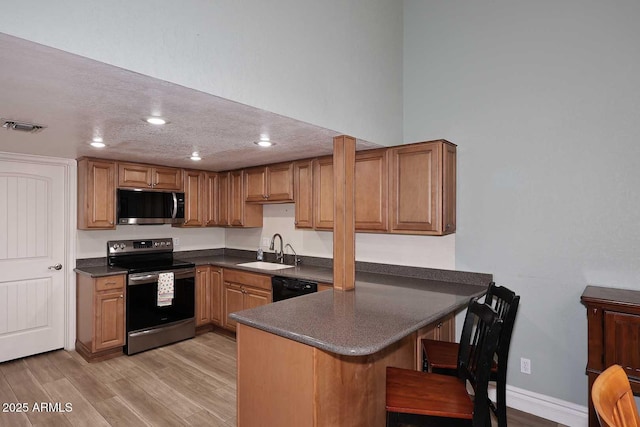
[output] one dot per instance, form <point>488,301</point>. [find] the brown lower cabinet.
<point>208,297</point>
<point>443,329</point>
<point>100,318</point>
<point>243,290</point>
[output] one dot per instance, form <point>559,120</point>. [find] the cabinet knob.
<point>595,311</point>
<point>448,226</point>
<point>439,325</point>
<point>121,296</point>
<point>149,185</point>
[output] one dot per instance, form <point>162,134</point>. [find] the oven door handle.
<point>141,278</point>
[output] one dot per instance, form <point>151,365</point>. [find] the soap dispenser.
<point>260,255</point>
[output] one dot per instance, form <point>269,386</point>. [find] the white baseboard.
<point>540,405</point>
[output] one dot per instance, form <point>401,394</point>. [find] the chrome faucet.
<point>296,260</point>
<point>279,255</point>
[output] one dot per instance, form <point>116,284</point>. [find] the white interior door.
<point>32,241</point>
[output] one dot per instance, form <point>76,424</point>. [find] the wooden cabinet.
<point>371,189</point>
<point>613,324</point>
<point>203,296</point>
<point>216,295</point>
<point>442,330</point>
<point>420,203</point>
<point>269,184</point>
<point>100,322</point>
<point>243,290</point>
<point>241,214</point>
<point>323,193</point>
<point>96,194</point>
<point>215,205</point>
<point>208,310</point>
<point>134,175</point>
<point>303,193</point>
<point>194,199</point>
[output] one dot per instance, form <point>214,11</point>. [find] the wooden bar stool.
<point>441,356</point>
<point>424,398</point>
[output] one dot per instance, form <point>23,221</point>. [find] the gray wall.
<point>543,98</point>
<point>332,63</point>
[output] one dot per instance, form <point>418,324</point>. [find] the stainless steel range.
<point>160,292</point>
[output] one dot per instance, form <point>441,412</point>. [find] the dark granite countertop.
<point>380,311</point>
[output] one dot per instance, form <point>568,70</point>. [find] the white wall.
<point>93,244</point>
<point>418,251</point>
<point>333,63</point>
<point>543,101</point>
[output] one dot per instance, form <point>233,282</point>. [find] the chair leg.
<point>501,402</point>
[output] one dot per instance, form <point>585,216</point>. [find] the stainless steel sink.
<point>264,265</point>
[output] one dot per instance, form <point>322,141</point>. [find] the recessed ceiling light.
<point>195,156</point>
<point>264,143</point>
<point>156,120</point>
<point>98,144</point>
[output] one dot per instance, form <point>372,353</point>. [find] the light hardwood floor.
<point>191,383</point>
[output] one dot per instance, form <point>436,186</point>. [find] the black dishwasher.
<point>288,287</point>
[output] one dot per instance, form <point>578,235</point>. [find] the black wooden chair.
<point>423,398</point>
<point>441,356</point>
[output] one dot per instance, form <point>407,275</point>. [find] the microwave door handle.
<point>175,206</point>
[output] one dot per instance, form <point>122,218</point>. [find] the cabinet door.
<point>621,341</point>
<point>280,183</point>
<point>442,330</point>
<point>303,193</point>
<point>236,199</point>
<point>194,199</point>
<point>371,188</point>
<point>323,193</point>
<point>134,175</point>
<point>233,301</point>
<point>255,184</point>
<point>167,178</point>
<point>96,194</point>
<point>109,321</point>
<point>254,297</point>
<point>416,189</point>
<point>215,277</point>
<point>449,188</point>
<point>203,296</point>
<point>222,199</point>
<point>210,194</point>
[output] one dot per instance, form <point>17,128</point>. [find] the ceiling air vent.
<point>22,126</point>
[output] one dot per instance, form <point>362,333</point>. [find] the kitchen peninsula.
<point>320,359</point>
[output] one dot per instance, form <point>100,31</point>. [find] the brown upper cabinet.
<point>215,196</point>
<point>323,193</point>
<point>96,194</point>
<point>371,189</point>
<point>303,193</point>
<point>423,188</point>
<point>241,214</point>
<point>269,184</point>
<point>194,198</point>
<point>134,175</point>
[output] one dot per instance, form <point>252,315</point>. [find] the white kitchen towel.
<point>165,289</point>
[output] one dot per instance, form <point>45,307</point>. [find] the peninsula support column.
<point>344,245</point>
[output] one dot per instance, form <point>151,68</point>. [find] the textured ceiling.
<point>77,98</point>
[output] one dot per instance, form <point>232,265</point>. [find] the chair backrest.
<point>505,302</point>
<point>613,399</point>
<point>478,344</point>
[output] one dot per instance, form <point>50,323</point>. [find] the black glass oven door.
<point>143,311</point>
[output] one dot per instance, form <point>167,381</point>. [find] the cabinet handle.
<point>439,325</point>
<point>121,296</point>
<point>595,311</point>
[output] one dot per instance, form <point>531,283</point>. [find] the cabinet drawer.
<point>110,282</point>
<point>261,281</point>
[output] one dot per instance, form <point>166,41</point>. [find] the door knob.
<point>58,266</point>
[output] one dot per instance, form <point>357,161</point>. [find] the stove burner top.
<point>138,256</point>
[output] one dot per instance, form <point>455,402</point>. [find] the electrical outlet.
<point>265,242</point>
<point>176,241</point>
<point>525,365</point>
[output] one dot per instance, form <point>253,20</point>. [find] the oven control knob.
<point>115,247</point>
<point>155,244</point>
<point>122,245</point>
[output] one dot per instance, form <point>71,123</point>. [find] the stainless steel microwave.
<point>150,207</point>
